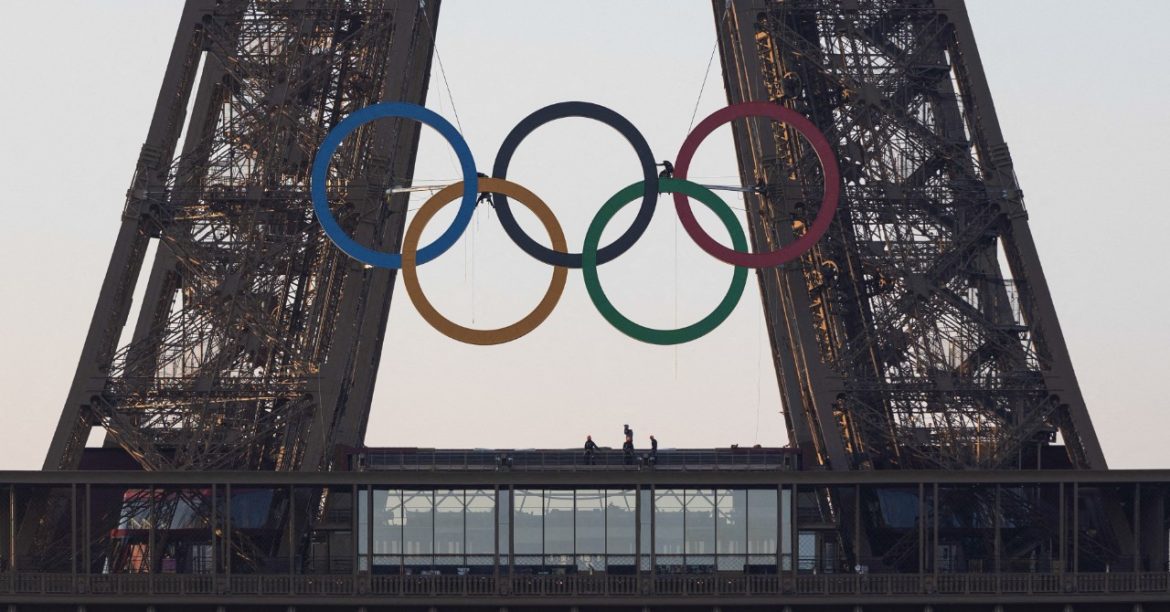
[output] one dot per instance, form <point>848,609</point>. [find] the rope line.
<point>442,70</point>
<point>707,73</point>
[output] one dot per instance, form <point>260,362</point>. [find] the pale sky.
<point>1079,91</point>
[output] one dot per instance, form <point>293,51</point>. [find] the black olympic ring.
<point>586,110</point>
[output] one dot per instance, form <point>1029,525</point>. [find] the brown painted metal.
<point>916,345</point>
<point>932,583</point>
<point>904,339</point>
<point>258,343</point>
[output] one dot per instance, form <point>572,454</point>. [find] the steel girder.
<point>919,333</point>
<point>256,347</point>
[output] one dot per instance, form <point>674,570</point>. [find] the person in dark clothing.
<point>628,450</point>
<point>627,432</point>
<point>485,197</point>
<point>653,450</point>
<point>590,449</point>
<point>667,169</point>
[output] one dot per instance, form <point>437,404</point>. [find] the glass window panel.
<point>250,507</point>
<point>529,522</point>
<point>504,516</point>
<point>786,526</point>
<point>448,522</point>
<point>387,522</point>
<point>589,564</point>
<point>731,522</point>
<point>729,563</point>
<point>619,522</point>
<point>668,521</point>
<point>590,522</point>
<point>481,522</point>
<point>807,554</point>
<point>700,522</point>
<point>645,510</point>
<point>363,525</point>
<point>558,522</point>
<point>187,504</point>
<point>669,564</point>
<point>762,521</point>
<point>700,563</point>
<point>418,524</point>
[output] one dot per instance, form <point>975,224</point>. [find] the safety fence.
<point>584,585</point>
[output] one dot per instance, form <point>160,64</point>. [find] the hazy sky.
<point>1079,91</point>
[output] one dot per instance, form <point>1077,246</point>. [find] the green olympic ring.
<point>620,321</point>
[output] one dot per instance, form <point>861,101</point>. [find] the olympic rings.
<point>589,111</point>
<point>828,203</point>
<point>591,256</point>
<point>648,334</point>
<point>353,122</point>
<point>467,334</point>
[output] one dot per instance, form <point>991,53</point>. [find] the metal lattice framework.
<point>920,332</point>
<point>257,342</point>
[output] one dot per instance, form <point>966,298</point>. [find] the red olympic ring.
<point>824,153</point>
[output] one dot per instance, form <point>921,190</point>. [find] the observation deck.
<point>603,459</point>
<point>433,529</point>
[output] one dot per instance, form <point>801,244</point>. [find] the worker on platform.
<point>628,449</point>
<point>485,197</point>
<point>653,450</point>
<point>667,169</point>
<point>590,449</point>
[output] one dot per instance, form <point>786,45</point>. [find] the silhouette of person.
<point>590,448</point>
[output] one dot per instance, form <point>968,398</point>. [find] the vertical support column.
<point>1076,530</point>
<point>86,534</point>
<point>353,536</point>
<point>1019,246</point>
<point>574,514</point>
<point>638,552</point>
<point>73,534</point>
<point>292,538</point>
<point>605,533</point>
<point>1062,542</point>
<point>684,529</point>
<point>214,523</point>
<point>653,529</point>
<point>496,509</point>
<point>355,347</point>
<point>511,531</point>
<point>998,528</point>
<point>794,534</point>
<point>12,527</point>
<point>113,305</point>
<point>370,531</point>
<point>779,532</point>
<point>934,523</point>
<point>857,525</point>
<point>227,531</point>
<point>152,538</point>
<point>1137,527</point>
<point>921,528</point>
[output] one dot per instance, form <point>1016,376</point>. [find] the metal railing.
<point>862,586</point>
<point>561,459</point>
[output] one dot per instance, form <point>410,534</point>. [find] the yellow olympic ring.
<point>467,334</point>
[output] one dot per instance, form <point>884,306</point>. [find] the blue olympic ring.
<point>321,169</point>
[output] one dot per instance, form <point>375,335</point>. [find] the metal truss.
<point>920,332</point>
<point>115,547</point>
<point>257,342</point>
